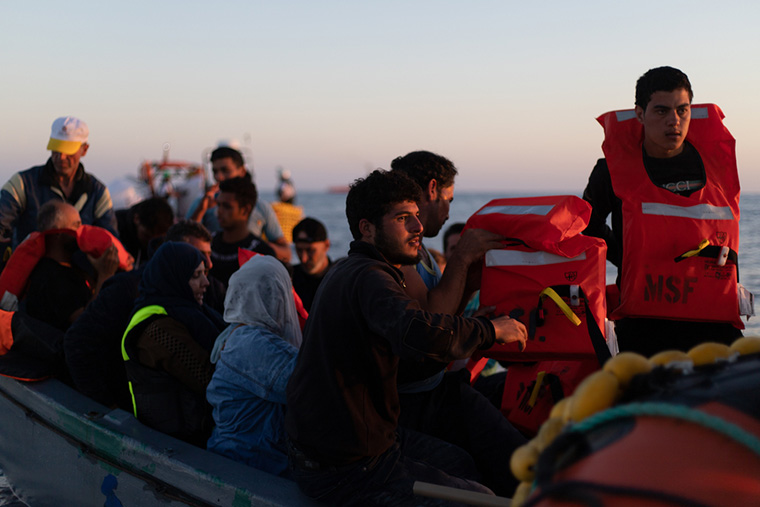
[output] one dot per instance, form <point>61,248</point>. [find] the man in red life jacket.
<point>643,179</point>
<point>58,289</point>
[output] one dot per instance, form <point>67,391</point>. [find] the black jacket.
<point>342,398</point>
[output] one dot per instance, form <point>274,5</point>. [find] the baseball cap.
<point>67,135</point>
<point>309,230</point>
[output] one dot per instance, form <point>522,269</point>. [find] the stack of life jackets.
<point>552,279</point>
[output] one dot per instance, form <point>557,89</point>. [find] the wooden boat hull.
<point>58,447</point>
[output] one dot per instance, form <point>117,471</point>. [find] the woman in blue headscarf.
<point>256,355</point>
<point>167,344</point>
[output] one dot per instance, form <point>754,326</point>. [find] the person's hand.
<point>130,262</point>
<point>107,264</point>
<point>509,330</point>
<point>474,243</point>
<point>209,198</point>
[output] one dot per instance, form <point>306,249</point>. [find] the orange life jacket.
<point>679,253</point>
<point>552,279</point>
<point>91,240</point>
<point>548,276</point>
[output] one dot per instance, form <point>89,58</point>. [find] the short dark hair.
<point>372,197</point>
<point>155,214</point>
<point>660,79</point>
<point>188,229</point>
<point>455,228</point>
<point>424,166</point>
<point>244,190</point>
<point>227,152</point>
<point>309,230</point>
<point>48,215</point>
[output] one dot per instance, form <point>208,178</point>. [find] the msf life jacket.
<point>552,279</point>
<point>679,253</point>
<point>158,399</point>
<point>548,276</point>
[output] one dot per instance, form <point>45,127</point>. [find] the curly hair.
<point>372,197</point>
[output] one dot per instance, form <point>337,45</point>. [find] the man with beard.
<point>433,401</point>
<point>58,290</point>
<point>342,418</point>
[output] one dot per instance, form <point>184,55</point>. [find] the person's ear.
<point>84,149</point>
<point>367,230</point>
<point>640,114</point>
<point>431,192</point>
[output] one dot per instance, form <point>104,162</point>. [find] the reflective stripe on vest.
<point>139,316</point>
<point>496,258</point>
<point>517,210</point>
<point>698,212</point>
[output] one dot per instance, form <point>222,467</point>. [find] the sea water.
<point>330,210</point>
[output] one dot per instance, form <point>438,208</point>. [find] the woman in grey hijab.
<point>255,358</point>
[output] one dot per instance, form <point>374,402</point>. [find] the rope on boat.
<point>681,412</point>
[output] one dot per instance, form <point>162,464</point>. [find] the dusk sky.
<point>330,89</point>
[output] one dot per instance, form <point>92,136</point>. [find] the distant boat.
<point>58,447</point>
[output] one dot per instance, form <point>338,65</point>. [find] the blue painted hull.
<point>58,447</point>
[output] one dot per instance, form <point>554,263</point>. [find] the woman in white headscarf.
<point>247,390</point>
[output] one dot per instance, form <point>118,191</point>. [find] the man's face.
<point>204,247</point>
<point>313,256</point>
<point>437,210</point>
<point>225,169</point>
<point>399,234</point>
<point>666,123</point>
<point>67,165</point>
<point>229,213</point>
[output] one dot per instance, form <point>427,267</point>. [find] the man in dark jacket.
<point>343,406</point>
<point>62,178</point>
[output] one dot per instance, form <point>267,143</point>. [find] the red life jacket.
<point>548,276</point>
<point>552,279</point>
<point>672,244</point>
<point>91,240</point>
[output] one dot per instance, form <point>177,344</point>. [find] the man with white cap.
<point>61,178</point>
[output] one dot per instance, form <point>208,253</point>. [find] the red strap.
<point>475,367</point>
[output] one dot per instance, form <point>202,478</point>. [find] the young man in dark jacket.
<point>343,405</point>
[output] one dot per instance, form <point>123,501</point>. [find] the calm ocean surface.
<point>330,210</point>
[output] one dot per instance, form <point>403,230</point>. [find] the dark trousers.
<point>458,414</point>
<point>388,479</point>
